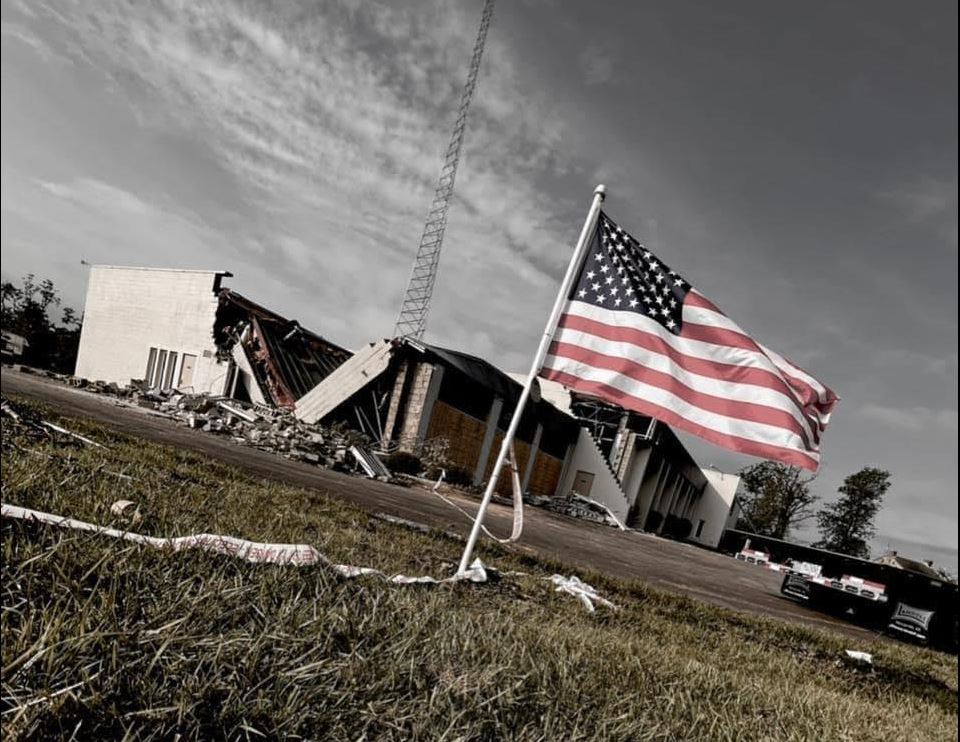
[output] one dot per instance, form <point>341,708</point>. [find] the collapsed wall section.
<point>285,360</point>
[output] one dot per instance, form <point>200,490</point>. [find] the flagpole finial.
<point>601,190</point>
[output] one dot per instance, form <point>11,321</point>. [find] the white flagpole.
<point>572,270</point>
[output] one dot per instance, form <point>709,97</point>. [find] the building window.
<point>151,365</point>
<point>700,525</point>
<point>168,371</point>
<point>157,379</point>
<point>185,378</point>
<point>162,369</point>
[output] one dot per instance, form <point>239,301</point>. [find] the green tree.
<point>846,526</point>
<point>26,311</point>
<point>776,498</point>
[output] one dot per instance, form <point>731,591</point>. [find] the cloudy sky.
<point>796,162</point>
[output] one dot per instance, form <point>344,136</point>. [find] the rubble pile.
<point>273,430</point>
<point>270,429</point>
<point>577,506</point>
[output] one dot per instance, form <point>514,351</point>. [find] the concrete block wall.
<point>129,310</point>
<point>396,394</point>
<point>416,419</point>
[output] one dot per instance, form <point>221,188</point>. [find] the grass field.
<point>104,639</point>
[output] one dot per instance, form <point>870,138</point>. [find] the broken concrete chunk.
<point>276,430</point>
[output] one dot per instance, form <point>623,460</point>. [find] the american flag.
<point>636,334</point>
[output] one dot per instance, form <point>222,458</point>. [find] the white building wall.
<point>636,469</point>
<point>605,488</point>
<point>714,507</point>
<point>130,310</point>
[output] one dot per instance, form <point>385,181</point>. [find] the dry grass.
<point>103,639</point>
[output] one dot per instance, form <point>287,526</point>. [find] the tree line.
<point>28,310</point>
<point>777,498</point>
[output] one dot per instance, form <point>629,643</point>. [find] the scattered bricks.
<point>310,458</point>
<point>269,429</point>
<point>195,420</point>
<point>575,506</point>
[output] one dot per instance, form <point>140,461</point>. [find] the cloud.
<point>332,119</point>
<point>98,195</point>
<point>19,33</point>
<point>928,201</point>
<point>911,418</point>
<point>597,66</point>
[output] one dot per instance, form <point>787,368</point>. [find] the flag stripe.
<point>827,397</point>
<point>748,429</point>
<point>732,339</point>
<point>641,340</point>
<point>670,416</point>
<point>701,311</point>
<point>708,393</point>
<point>608,324</point>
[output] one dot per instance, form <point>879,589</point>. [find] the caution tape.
<point>287,554</point>
<point>250,551</point>
<point>517,529</point>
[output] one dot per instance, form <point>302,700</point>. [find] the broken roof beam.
<point>345,381</point>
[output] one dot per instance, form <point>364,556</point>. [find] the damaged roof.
<point>288,360</point>
<point>477,369</point>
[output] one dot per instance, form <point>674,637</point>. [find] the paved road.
<point>666,564</point>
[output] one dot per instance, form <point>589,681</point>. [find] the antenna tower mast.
<point>412,319</point>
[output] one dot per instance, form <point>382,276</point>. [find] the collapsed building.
<point>275,361</point>
<point>183,330</point>
<point>407,392</point>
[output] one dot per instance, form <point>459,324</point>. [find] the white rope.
<point>517,504</point>
<point>291,554</point>
<point>250,551</point>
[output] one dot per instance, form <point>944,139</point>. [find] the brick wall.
<point>410,426</point>
<point>545,476</point>
<point>465,434</point>
<point>543,479</point>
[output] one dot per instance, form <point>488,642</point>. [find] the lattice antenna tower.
<point>412,320</point>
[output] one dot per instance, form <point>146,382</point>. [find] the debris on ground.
<point>27,420</point>
<point>370,464</point>
<point>126,510</point>
<point>859,658</point>
<point>276,430</point>
<point>250,551</point>
<point>576,587</point>
<point>577,506</point>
